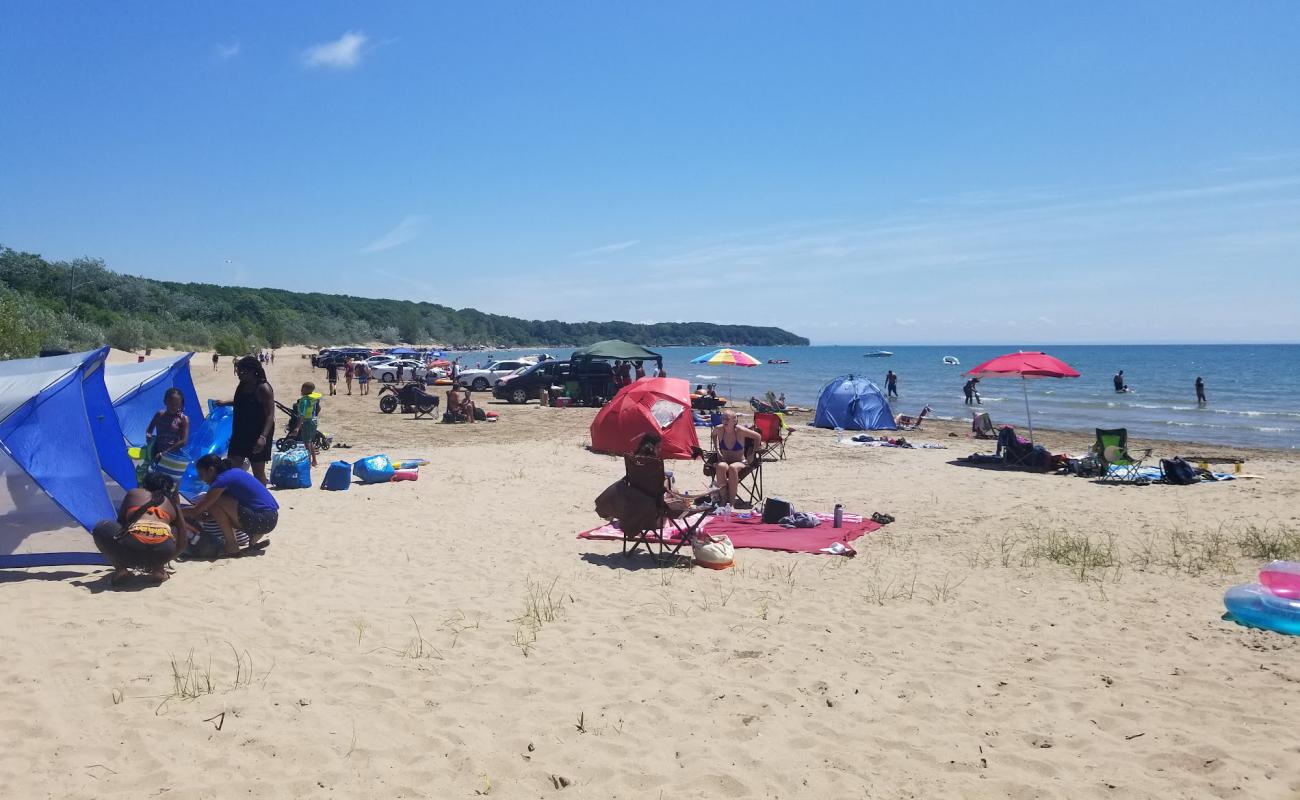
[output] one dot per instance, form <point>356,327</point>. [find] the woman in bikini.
<point>148,532</point>
<point>729,443</point>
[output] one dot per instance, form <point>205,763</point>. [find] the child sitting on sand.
<point>169,430</point>
<point>307,410</point>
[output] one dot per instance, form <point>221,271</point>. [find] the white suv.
<point>481,380</point>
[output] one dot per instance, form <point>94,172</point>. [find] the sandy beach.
<point>1010,635</point>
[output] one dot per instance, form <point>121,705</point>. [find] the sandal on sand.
<point>254,547</point>
<point>883,519</point>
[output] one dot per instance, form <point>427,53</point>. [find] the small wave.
<point>1267,429</point>
<point>1178,424</point>
<point>708,377</point>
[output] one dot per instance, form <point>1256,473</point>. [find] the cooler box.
<point>338,477</point>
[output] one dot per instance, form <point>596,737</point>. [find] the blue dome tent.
<point>854,404</point>
<point>137,392</point>
<point>63,461</point>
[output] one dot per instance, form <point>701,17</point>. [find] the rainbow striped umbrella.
<point>729,357</point>
<point>734,358</point>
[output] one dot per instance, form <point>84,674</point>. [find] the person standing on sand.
<point>254,420</point>
<point>891,384</point>
<point>215,358</point>
<point>1200,391</point>
<point>349,369</point>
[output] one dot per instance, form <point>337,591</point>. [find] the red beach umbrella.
<point>650,405</point>
<point>1024,366</point>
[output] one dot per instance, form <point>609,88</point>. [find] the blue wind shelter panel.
<point>52,485</point>
<point>853,404</point>
<point>104,425</point>
<point>137,393</point>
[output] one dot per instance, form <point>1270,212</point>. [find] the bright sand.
<point>450,637</point>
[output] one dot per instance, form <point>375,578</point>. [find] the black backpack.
<point>1178,471</point>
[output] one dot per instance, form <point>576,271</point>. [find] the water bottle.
<point>839,435</point>
<point>839,516</point>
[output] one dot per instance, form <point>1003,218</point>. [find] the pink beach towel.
<point>753,534</point>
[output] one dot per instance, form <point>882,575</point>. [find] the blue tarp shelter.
<point>854,404</point>
<point>137,393</point>
<point>63,461</point>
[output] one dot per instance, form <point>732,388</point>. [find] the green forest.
<point>81,304</point>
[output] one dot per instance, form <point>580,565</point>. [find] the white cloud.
<point>408,229</point>
<point>609,248</point>
<point>906,322</point>
<point>228,50</point>
<point>342,53</point>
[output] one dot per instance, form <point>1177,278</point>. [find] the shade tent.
<point>651,405</point>
<point>63,460</point>
<point>853,404</point>
<point>616,349</point>
<point>137,392</point>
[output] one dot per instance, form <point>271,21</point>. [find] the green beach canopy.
<point>617,349</point>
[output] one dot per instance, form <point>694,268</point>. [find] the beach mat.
<point>753,534</point>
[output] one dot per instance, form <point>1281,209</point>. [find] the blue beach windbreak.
<point>63,460</point>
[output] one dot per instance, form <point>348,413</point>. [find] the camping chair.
<point>770,427</point>
<point>643,507</point>
<point>982,426</point>
<point>1117,463</point>
<point>906,423</point>
<point>749,488</point>
<point>1016,452</point>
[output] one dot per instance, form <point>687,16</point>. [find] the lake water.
<point>1253,390</point>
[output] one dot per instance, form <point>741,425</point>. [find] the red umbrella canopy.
<point>1024,365</point>
<point>650,405</point>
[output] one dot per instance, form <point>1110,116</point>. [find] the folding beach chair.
<point>906,423</point>
<point>771,427</point>
<point>1118,464</point>
<point>982,426</point>
<point>645,512</point>
<point>749,489</point>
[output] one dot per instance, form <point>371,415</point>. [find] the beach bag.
<point>291,469</point>
<point>338,477</point>
<point>714,552</point>
<point>172,465</point>
<point>1178,472</point>
<point>375,469</point>
<point>774,509</point>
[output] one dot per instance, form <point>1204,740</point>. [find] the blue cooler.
<point>338,477</point>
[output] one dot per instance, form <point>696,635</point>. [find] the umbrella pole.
<point>1024,386</point>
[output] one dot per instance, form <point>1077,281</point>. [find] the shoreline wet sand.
<point>1011,634</point>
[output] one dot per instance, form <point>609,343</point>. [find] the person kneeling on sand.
<point>237,501</point>
<point>148,532</point>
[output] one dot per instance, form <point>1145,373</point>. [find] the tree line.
<point>81,304</point>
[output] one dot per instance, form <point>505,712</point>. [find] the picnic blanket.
<point>752,533</point>
<point>1155,474</point>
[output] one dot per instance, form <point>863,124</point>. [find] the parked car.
<point>597,379</point>
<point>338,356</point>
<point>480,380</point>
<point>386,371</point>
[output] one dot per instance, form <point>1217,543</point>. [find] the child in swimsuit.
<point>169,430</point>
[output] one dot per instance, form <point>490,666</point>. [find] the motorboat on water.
<point>951,361</point>
<point>877,354</point>
<point>778,361</point>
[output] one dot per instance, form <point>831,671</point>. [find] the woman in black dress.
<point>254,423</point>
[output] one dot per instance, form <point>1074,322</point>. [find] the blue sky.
<point>855,172</point>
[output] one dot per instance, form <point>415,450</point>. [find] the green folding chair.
<point>1118,464</point>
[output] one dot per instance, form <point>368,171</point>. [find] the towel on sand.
<point>753,534</point>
